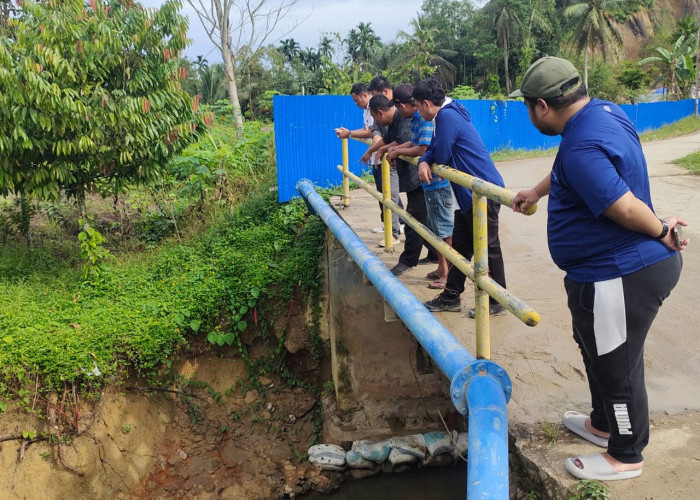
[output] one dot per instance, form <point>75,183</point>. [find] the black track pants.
<point>610,322</point>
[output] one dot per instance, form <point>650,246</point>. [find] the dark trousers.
<point>611,320</point>
<point>394,187</point>
<point>414,241</point>
<point>463,242</point>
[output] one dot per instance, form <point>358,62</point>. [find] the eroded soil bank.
<point>205,441</point>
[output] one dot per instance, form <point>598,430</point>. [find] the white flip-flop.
<point>576,423</point>
<point>595,466</point>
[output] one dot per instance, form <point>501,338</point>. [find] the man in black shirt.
<point>398,131</point>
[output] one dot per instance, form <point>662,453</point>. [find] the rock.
<point>251,397</point>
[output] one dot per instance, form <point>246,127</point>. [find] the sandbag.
<point>438,443</point>
<point>377,451</point>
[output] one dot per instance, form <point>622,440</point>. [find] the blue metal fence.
<point>307,147</point>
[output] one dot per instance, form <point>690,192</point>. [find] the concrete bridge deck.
<point>544,362</point>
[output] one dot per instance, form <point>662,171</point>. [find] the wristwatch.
<point>664,230</point>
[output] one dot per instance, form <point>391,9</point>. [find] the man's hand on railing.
<point>525,199</point>
<point>424,172</point>
<point>342,133</point>
<point>393,153</point>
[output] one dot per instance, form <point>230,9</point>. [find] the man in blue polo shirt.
<point>438,194</point>
<point>457,143</point>
<point>621,260</point>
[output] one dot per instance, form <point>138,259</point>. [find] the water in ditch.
<point>444,483</point>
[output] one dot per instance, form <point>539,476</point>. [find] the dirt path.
<point>544,363</point>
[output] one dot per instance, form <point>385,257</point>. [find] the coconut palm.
<point>594,28</point>
<point>506,23</point>
<point>362,42</point>
<point>420,54</point>
<point>325,47</point>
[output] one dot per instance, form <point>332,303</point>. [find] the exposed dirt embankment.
<point>640,28</point>
<point>202,438</point>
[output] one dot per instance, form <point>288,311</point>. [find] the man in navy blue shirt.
<point>456,143</point>
<point>621,260</point>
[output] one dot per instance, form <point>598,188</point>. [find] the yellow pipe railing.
<point>346,169</point>
<point>386,196</point>
<point>484,286</point>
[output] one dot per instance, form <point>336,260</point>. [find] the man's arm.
<point>528,197</point>
<point>406,149</point>
<point>632,213</point>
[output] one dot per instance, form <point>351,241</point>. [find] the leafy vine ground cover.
<point>240,254</point>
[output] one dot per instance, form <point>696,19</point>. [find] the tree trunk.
<point>229,68</point>
<point>232,89</point>
<point>585,67</point>
<point>505,63</point>
<point>25,220</point>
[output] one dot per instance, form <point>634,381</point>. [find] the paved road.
<point>544,362</point>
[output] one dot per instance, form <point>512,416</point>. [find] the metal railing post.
<point>346,168</point>
<point>386,196</point>
<point>481,268</point>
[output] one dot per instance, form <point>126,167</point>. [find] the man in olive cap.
<point>621,260</point>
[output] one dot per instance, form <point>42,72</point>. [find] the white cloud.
<point>316,17</point>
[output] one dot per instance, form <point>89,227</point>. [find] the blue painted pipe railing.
<point>480,389</point>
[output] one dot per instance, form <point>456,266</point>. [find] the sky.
<point>315,17</point>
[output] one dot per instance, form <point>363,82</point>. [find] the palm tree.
<point>212,83</point>
<point>421,55</point>
<point>594,28</point>
<point>310,59</point>
<point>362,42</point>
<point>325,47</point>
<point>289,48</point>
<point>506,23</point>
<point>537,20</point>
<point>201,63</point>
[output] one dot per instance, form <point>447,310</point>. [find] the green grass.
<point>681,127</point>
<point>522,154</point>
<point>691,162</point>
<point>685,126</point>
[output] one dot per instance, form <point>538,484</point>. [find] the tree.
<point>325,47</point>
<point>537,21</point>
<point>91,94</point>
<point>506,23</point>
<point>678,65</point>
<point>240,29</point>
<point>593,27</point>
<point>421,58</point>
<point>362,42</point>
<point>289,48</point>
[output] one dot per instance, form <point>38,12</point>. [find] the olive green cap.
<point>545,78</point>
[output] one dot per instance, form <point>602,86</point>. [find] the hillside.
<point>640,28</point>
